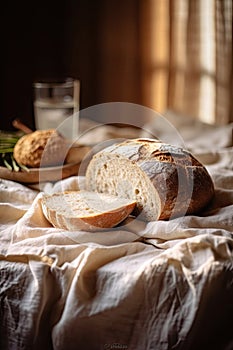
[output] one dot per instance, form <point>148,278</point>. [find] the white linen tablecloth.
<point>157,285</point>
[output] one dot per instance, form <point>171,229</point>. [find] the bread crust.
<point>181,183</point>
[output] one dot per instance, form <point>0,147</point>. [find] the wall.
<point>95,41</point>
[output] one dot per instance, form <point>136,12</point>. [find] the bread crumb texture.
<point>84,210</point>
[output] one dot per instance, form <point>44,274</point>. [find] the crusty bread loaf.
<point>41,148</point>
<point>83,210</point>
<point>166,181</point>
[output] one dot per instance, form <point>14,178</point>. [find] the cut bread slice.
<point>84,210</point>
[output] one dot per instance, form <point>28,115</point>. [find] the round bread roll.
<point>83,210</point>
<point>165,180</point>
<point>41,148</point>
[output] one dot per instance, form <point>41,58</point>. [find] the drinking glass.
<point>56,105</point>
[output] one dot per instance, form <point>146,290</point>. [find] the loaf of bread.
<point>41,148</point>
<point>166,181</point>
<point>83,210</point>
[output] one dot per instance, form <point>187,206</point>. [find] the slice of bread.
<point>165,180</point>
<point>87,211</point>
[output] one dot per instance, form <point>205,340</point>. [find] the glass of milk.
<point>56,106</point>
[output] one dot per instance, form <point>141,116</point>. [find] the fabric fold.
<point>156,285</point>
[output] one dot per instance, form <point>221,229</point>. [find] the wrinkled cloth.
<point>157,285</point>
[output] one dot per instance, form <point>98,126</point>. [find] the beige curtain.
<point>187,57</point>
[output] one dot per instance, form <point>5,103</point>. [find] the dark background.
<point>97,42</point>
